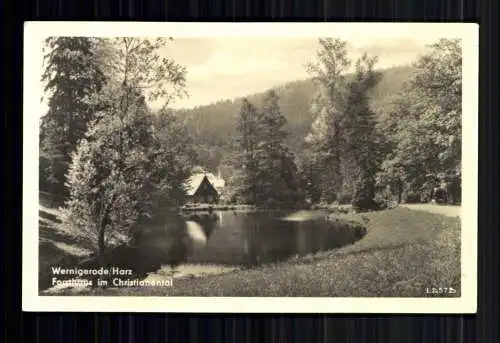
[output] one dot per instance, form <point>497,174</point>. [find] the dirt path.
<point>447,210</point>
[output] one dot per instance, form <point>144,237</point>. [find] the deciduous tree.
<point>327,108</point>
<point>130,160</point>
<point>426,122</point>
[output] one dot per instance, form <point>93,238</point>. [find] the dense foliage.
<point>129,160</point>
<point>416,111</point>
<point>424,127</point>
<point>350,134</point>
<point>343,138</point>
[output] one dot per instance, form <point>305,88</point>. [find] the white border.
<point>34,34</point>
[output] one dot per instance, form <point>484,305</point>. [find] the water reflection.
<point>230,239</point>
<point>207,221</point>
<point>253,238</point>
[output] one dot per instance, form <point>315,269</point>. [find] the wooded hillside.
<point>213,126</point>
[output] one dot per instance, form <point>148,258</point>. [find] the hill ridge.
<point>212,126</point>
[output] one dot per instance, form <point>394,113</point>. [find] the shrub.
<point>381,203</point>
<point>412,198</point>
<point>344,198</point>
<point>363,197</point>
<point>364,204</point>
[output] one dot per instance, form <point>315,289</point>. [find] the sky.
<point>225,68</point>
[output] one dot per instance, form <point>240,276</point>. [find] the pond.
<point>200,243</point>
<point>195,244</point>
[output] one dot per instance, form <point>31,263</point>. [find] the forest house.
<point>204,188</point>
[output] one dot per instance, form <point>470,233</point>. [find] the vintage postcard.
<point>250,167</point>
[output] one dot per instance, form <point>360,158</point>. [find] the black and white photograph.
<point>261,167</point>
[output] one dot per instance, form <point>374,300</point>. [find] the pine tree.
<point>245,159</point>
<point>277,173</point>
<point>171,159</point>
<point>271,136</point>
<point>72,78</point>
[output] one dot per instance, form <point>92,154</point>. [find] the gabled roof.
<point>193,182</point>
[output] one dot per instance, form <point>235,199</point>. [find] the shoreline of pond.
<point>216,207</point>
<point>60,257</point>
<point>342,208</point>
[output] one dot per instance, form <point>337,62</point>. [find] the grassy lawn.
<point>403,253</point>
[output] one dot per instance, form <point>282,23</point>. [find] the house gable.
<point>205,187</point>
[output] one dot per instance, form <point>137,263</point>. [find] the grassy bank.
<point>57,247</point>
<point>403,253</point>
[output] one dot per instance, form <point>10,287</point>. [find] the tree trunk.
<point>252,173</point>
<point>105,220</point>
<point>400,191</point>
<point>101,243</point>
